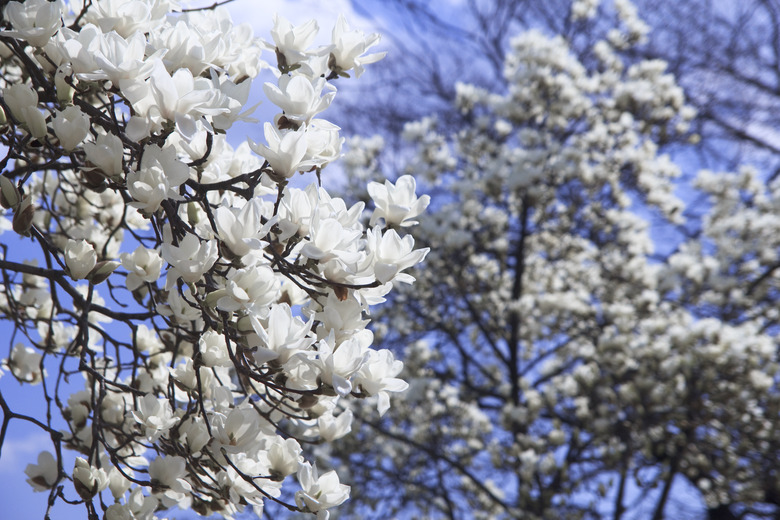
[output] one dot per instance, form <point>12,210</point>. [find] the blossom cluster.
<point>217,313</point>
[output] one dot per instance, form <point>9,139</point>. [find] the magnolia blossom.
<point>391,254</point>
<point>80,258</point>
<point>88,479</point>
<point>284,457</point>
<point>143,266</point>
<point>349,48</point>
<point>300,98</point>
<point>169,473</point>
<point>189,260</point>
<point>242,353</point>
<point>35,21</point>
<point>155,415</point>
<point>293,41</point>
<point>122,60</point>
<point>377,377</point>
<point>106,154</point>
<point>285,151</point>
<point>397,203</point>
<point>332,428</point>
<point>22,100</point>
<point>249,289</point>
<point>281,335</point>
<point>71,127</point>
<point>319,492</point>
<point>44,475</point>
<point>129,17</point>
<point>242,229</point>
<point>157,178</point>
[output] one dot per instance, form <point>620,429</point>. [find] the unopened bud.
<point>36,122</point>
<point>213,297</point>
<point>193,213</point>
<point>102,271</point>
<point>9,193</point>
<point>23,217</point>
<point>64,89</point>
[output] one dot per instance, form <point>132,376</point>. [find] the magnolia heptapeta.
<point>216,312</point>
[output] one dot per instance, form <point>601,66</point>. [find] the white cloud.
<point>20,450</point>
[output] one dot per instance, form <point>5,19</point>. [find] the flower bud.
<point>9,193</point>
<point>80,258</point>
<point>106,154</point>
<point>35,121</point>
<point>102,271</point>
<point>23,217</point>
<point>88,480</point>
<point>70,126</point>
<point>64,89</point>
<point>19,97</point>
<point>214,296</point>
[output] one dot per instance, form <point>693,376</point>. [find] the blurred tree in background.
<point>595,332</point>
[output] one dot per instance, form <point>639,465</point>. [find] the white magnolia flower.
<point>189,260</point>
<point>35,21</point>
<point>157,179</point>
<point>286,150</point>
<point>239,430</point>
<point>284,456</point>
<point>123,60</point>
<point>281,335</point>
<point>118,484</point>
<point>88,480</point>
<point>106,154</point>
<point>329,239</point>
<point>22,100</point>
<point>155,415</point>
<point>184,99</point>
<point>169,473</point>
<point>291,41</point>
<point>332,428</point>
<point>391,254</point>
<point>213,350</point>
<point>300,98</point>
<point>242,230</point>
<point>70,126</point>
<point>350,46</point>
<point>143,266</point>
<point>42,476</point>
<point>377,377</point>
<point>323,142</point>
<point>80,258</point>
<point>397,203</point>
<point>128,17</point>
<point>339,362</point>
<point>18,97</point>
<point>319,492</point>
<point>76,49</point>
<point>25,364</point>
<point>253,288</point>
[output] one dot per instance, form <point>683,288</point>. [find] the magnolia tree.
<point>192,319</point>
<point>558,366</point>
